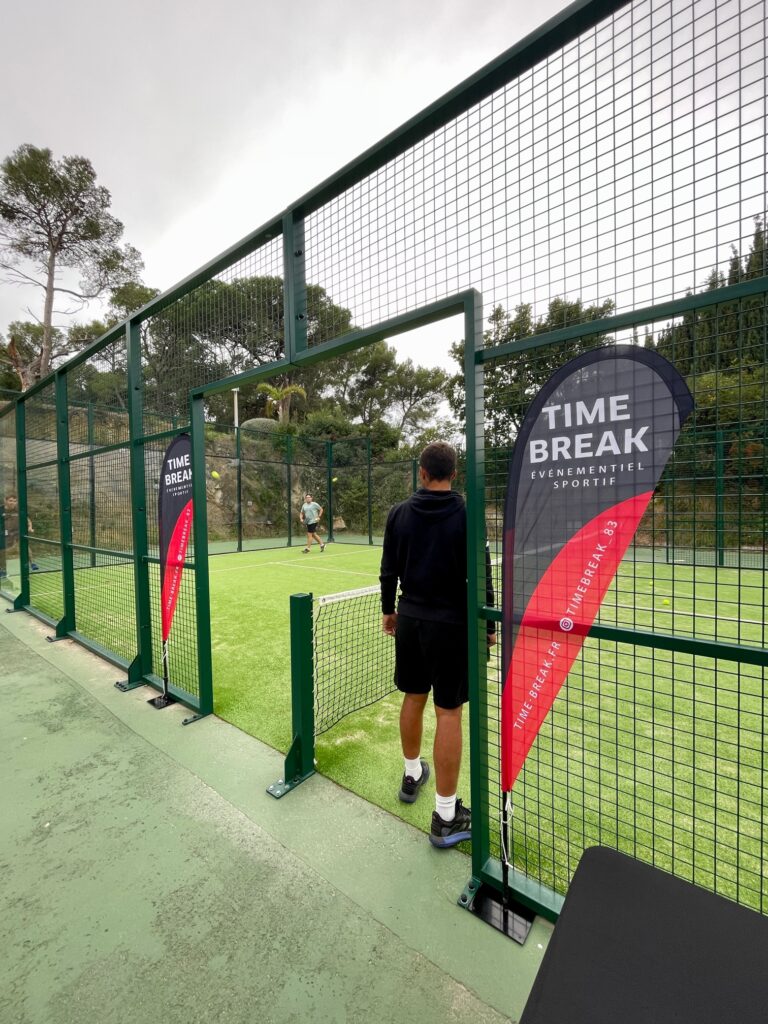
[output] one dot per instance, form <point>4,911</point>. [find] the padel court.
<point>590,208</point>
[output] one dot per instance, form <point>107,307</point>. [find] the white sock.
<point>446,806</point>
<point>413,768</point>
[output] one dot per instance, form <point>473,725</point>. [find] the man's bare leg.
<point>447,750</point>
<point>412,724</point>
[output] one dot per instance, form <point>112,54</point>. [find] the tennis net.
<point>354,659</point>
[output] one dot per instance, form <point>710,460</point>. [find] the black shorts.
<point>311,527</point>
<point>432,656</point>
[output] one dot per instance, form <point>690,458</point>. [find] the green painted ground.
<point>148,878</point>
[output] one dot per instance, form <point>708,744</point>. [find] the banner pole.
<point>166,697</point>
<point>505,806</point>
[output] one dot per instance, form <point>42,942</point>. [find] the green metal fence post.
<point>202,593</point>
<point>22,599</point>
<point>478,728</point>
<point>720,496</point>
<point>91,487</point>
<point>142,663</point>
<point>67,622</point>
<point>289,483</point>
<point>295,287</point>
<point>369,448</point>
<point>239,477</point>
<point>300,759</point>
<point>329,479</point>
<point>414,475</point>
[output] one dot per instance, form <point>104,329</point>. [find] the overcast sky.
<point>205,120</point>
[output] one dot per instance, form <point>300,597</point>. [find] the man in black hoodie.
<point>425,548</point>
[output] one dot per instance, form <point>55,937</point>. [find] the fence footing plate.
<point>124,685</point>
<point>193,718</point>
<point>283,786</point>
<point>164,700</point>
<point>485,902</point>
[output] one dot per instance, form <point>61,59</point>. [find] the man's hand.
<point>389,623</point>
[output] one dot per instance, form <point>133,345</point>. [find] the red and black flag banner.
<point>174,513</point>
<point>590,452</point>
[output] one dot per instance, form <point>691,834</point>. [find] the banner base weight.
<point>163,701</point>
<point>485,902</point>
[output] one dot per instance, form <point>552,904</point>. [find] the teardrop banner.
<point>174,516</point>
<point>590,452</point>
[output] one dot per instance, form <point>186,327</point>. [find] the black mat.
<point>634,945</point>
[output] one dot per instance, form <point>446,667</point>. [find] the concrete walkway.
<point>146,876</point>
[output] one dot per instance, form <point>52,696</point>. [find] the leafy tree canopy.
<point>53,217</point>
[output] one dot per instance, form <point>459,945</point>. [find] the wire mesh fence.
<point>655,747</point>
<point>10,576</point>
<point>604,183</point>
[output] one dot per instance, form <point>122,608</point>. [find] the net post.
<point>66,624</point>
<point>300,759</point>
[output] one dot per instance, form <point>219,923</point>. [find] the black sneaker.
<point>409,787</point>
<point>448,833</point>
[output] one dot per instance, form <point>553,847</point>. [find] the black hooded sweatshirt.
<point>425,548</point>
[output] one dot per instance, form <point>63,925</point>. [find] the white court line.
<point>680,613</point>
<point>293,561</point>
<point>342,572</point>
